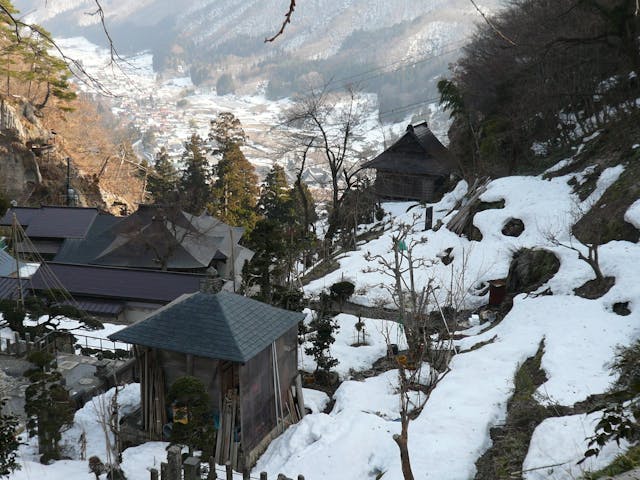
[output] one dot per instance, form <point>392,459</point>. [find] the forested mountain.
<point>401,46</point>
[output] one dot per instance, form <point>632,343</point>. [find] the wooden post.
<point>300,396</point>
<point>189,364</point>
<point>154,473</point>
<point>245,475</point>
<point>263,475</point>
<point>191,468</point>
<point>164,471</point>
<point>229,470</point>
<point>212,469</point>
<point>174,459</point>
<point>300,477</point>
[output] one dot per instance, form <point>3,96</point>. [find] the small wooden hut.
<point>245,353</point>
<point>413,168</point>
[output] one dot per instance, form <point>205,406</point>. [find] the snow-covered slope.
<point>354,439</point>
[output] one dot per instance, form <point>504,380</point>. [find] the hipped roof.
<point>222,326</point>
<point>154,232</point>
<point>418,152</point>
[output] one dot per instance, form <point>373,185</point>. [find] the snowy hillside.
<point>354,439</point>
<point>319,30</point>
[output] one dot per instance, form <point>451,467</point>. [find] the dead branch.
<point>287,20</point>
<point>492,25</point>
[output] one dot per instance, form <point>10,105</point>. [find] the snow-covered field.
<point>354,440</point>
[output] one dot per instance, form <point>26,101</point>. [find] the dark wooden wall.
<point>405,186</point>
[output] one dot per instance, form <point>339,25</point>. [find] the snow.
<point>557,459</point>
<point>632,215</point>
<point>357,358</point>
<point>315,400</point>
<point>354,440</point>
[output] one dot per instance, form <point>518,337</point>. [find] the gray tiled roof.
<point>224,326</point>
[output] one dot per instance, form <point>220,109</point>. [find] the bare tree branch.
<point>287,20</point>
<point>113,53</point>
<point>75,67</point>
<point>492,25</point>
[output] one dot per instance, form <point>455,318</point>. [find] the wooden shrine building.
<point>413,168</point>
<point>244,351</point>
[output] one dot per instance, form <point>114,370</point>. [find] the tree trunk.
<point>405,461</point>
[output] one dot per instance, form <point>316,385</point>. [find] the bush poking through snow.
<point>323,326</point>
<point>620,420</point>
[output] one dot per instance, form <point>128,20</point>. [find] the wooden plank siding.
<point>405,186</point>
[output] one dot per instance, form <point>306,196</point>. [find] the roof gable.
<point>223,326</point>
<point>418,152</point>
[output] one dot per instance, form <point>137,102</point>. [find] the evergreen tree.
<point>236,189</point>
<point>192,422</point>
<point>49,312</point>
<point>275,200</point>
<point>9,442</point>
<point>48,406</point>
<point>163,185</point>
<point>226,130</point>
<point>322,327</point>
<point>196,177</point>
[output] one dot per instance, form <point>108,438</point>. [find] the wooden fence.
<point>54,342</point>
<point>191,469</point>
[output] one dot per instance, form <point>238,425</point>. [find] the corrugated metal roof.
<point>7,264</point>
<point>121,283</point>
<point>52,222</point>
<point>24,215</point>
<point>43,247</point>
<point>98,307</point>
<point>61,222</point>
<point>9,288</point>
<point>224,326</point>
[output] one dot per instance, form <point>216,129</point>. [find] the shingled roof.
<point>418,152</point>
<point>223,326</point>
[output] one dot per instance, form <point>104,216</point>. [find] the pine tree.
<point>323,326</point>
<point>275,200</point>
<point>163,185</point>
<point>196,177</point>
<point>9,442</point>
<point>236,189</point>
<point>47,406</point>
<point>192,422</point>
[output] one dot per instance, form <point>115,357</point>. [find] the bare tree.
<point>587,251</point>
<point>413,298</point>
<point>329,124</point>
<point>410,299</point>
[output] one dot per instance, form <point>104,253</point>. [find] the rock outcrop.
<point>20,132</point>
